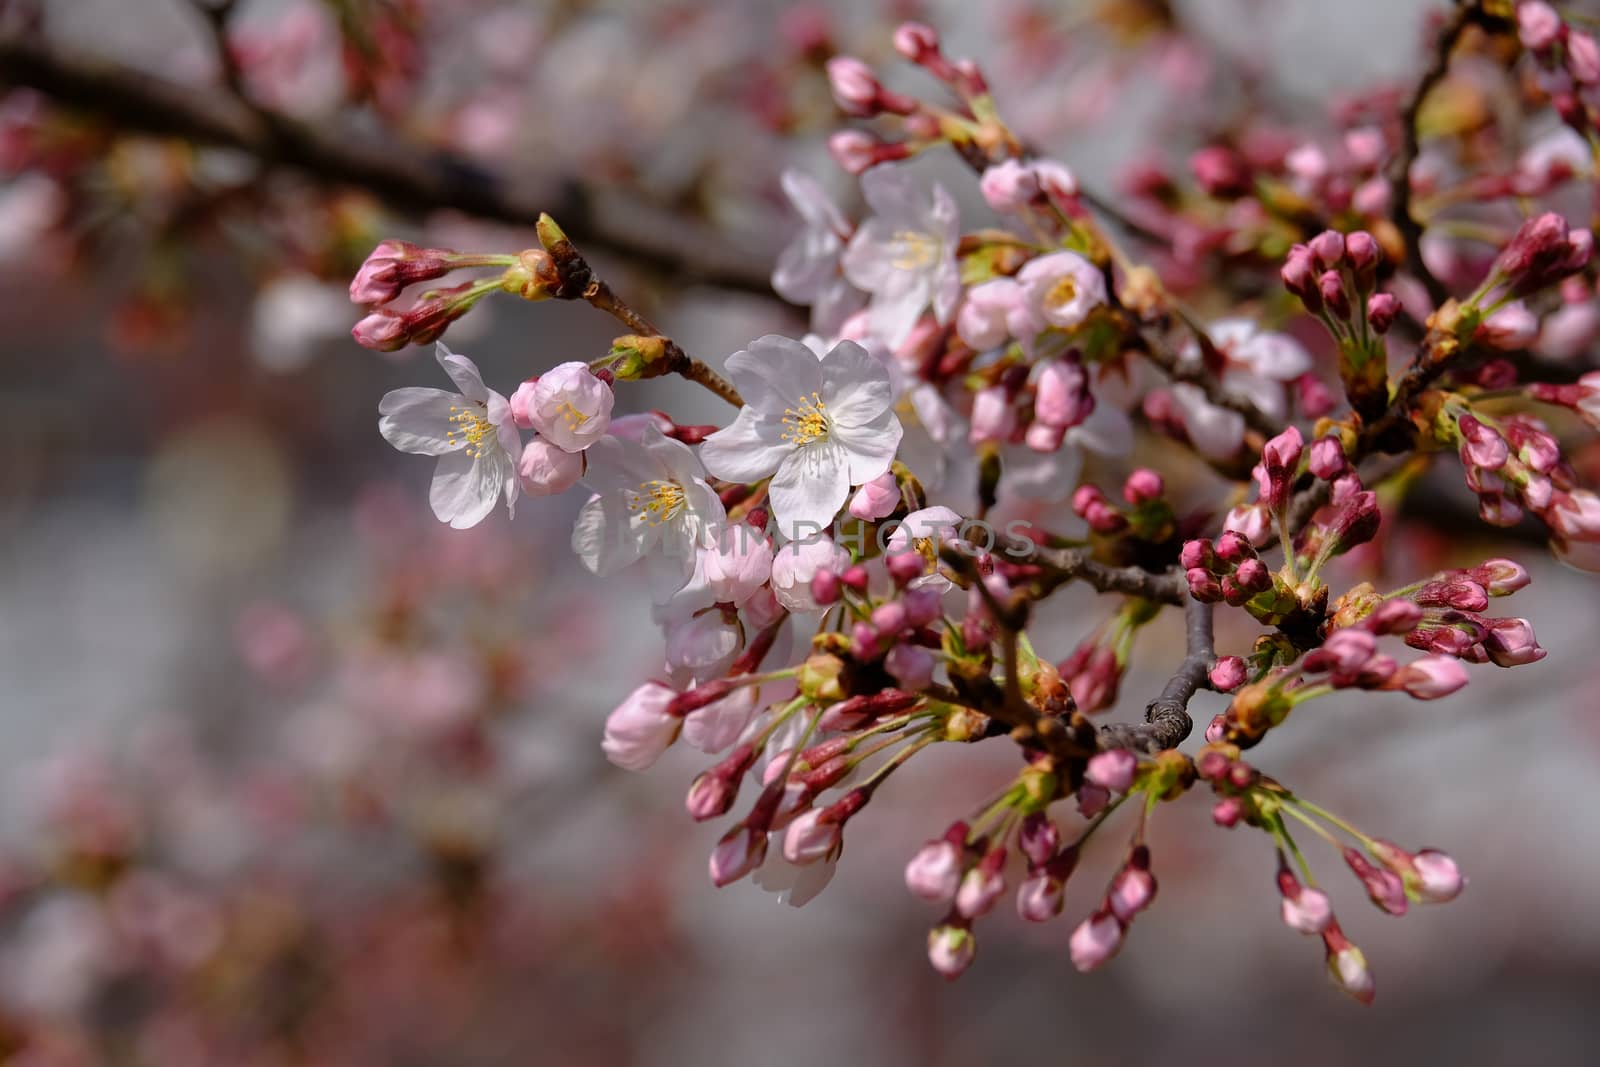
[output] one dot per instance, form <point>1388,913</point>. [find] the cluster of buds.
<point>394,265</point>
<point>1393,877</point>
<point>1515,466</point>
<point>1093,670</point>
<point>1582,396</point>
<point>859,93</point>
<point>1144,515</point>
<point>1227,570</point>
<point>1569,60</point>
<point>1443,615</point>
<point>1336,276</point>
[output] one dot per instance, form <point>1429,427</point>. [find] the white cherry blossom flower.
<point>471,432</point>
<point>1062,288</point>
<point>1257,364</point>
<point>905,254</point>
<point>651,502</point>
<point>808,270</point>
<point>815,427</point>
<point>570,406</point>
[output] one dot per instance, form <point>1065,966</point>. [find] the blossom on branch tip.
<point>641,728</point>
<point>651,502</point>
<point>815,427</point>
<point>471,432</point>
<point>904,254</point>
<point>570,406</point>
<point>807,272</point>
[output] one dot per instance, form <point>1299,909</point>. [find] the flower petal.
<point>463,372</point>
<point>869,449</point>
<point>747,450</point>
<point>417,420</point>
<point>855,386</point>
<point>809,489</point>
<point>603,537</point>
<point>774,373</point>
<point>464,490</point>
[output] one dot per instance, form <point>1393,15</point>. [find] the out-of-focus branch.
<point>406,176</point>
<point>1166,718</point>
<point>1400,168</point>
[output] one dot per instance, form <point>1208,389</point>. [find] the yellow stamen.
<point>807,423</point>
<point>1062,292</point>
<point>657,500</point>
<point>473,428</point>
<point>914,250</point>
<point>571,415</point>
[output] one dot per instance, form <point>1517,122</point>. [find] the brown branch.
<point>1166,718</point>
<point>408,177</point>
<point>1400,167</point>
<point>576,280</point>
<point>1063,565</point>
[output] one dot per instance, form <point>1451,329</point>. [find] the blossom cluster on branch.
<point>844,570</point>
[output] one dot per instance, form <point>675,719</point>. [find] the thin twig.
<point>408,177</point>
<point>1410,145</point>
<point>1166,718</point>
<point>1062,565</point>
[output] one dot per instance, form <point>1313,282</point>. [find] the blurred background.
<point>295,775</point>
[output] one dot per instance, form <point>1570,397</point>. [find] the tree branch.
<point>408,177</point>
<point>1400,167</point>
<point>1062,565</point>
<point>1166,718</point>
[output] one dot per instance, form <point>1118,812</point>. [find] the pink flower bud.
<point>993,417</point>
<point>1092,799</point>
<point>1439,879</point>
<point>1113,770</point>
<point>1501,577</point>
<point>1009,186</point>
<point>1510,643</point>
<point>1055,179</point>
<point>710,796</point>
<point>910,665</point>
<point>1583,58</point>
<point>1216,729</point>
<point>1382,310</point>
<point>854,86</point>
<point>1039,897</point>
<point>1299,276</point>
<point>1096,940</point>
<point>1327,458</point>
<point>1280,461</point>
<point>904,567</point>
<point>641,727</point>
<point>1327,251</point>
<point>1347,966</point>
<point>544,469</point>
<point>1062,398</point>
<point>1251,523</point>
<point>1229,810</point>
<point>982,885</point>
<point>1575,515</point>
<point>739,852</point>
<point>1038,839</point>
<point>991,312</point>
<point>1480,445</point>
<point>1220,171</point>
<point>877,499</point>
<point>1394,617</point>
<point>1196,553</point>
<point>381,331</point>
<point>811,837</point>
<point>854,150</point>
<point>1385,888</point>
<point>934,873</point>
<point>951,949</point>
<point>1132,890</point>
<point>915,41</point>
<point>1365,255</point>
<point>1331,286</point>
<point>1511,329</point>
<point>1308,913</point>
<point>1228,674</point>
<point>1143,486</point>
<point>1538,25</point>
<point>521,404</point>
<point>923,606</point>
